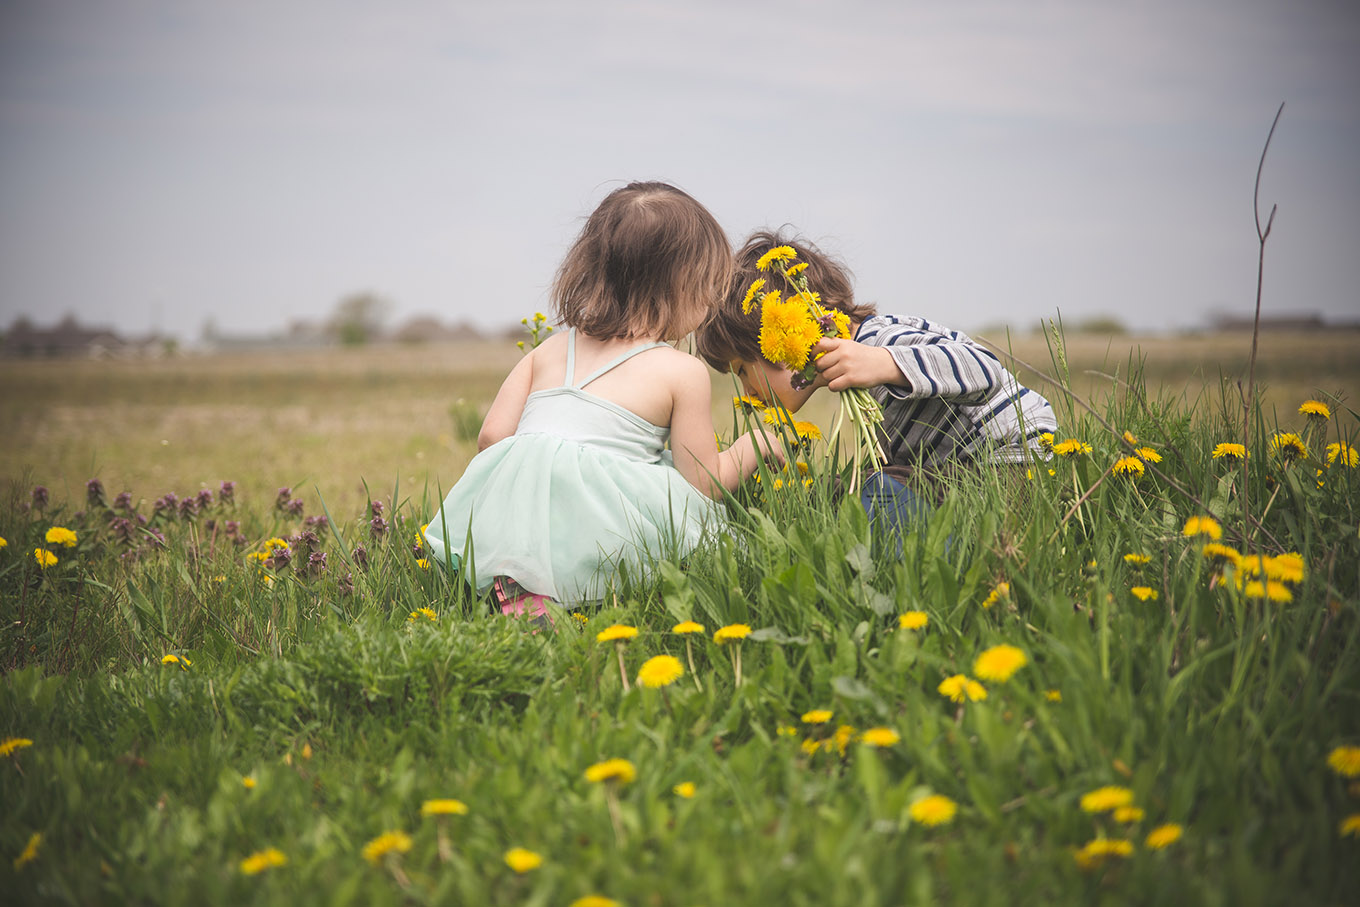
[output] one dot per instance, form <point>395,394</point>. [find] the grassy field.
<point>1068,688</point>
<point>331,420</point>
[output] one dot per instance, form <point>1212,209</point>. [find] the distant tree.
<point>358,318</point>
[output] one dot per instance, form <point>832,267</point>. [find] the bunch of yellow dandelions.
<point>790,327</point>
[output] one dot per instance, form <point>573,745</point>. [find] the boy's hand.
<point>846,364</point>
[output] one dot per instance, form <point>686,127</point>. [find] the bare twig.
<point>1250,396</point>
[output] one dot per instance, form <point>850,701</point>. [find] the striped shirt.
<point>959,401</point>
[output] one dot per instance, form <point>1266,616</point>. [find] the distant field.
<point>330,420</point>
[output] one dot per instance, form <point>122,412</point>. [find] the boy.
<point>945,398</point>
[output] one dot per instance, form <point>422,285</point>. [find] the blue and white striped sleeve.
<point>941,364</point>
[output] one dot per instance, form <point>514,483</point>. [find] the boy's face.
<point>764,380</point>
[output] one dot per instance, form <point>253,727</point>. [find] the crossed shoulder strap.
<point>613,363</point>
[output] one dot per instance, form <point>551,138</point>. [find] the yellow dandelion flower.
<point>445,806</point>
<point>4,543</point>
<point>880,736</point>
<point>13,744</point>
<point>913,620</point>
<point>60,535</point>
<point>273,543</point>
<point>522,860</point>
<point>1130,437</point>
<point>1148,454</point>
<point>731,632</point>
<point>30,851</point>
<point>1046,440</point>
<point>1288,446</point>
<point>786,730</point>
<point>261,860</point>
<point>961,688</point>
<point>1071,448</point>
<point>580,618</point>
<point>999,591</point>
<point>1053,695</point>
<point>660,671</point>
<point>1202,525</point>
<point>176,660</point>
<point>1163,836</point>
<point>1315,409</point>
<point>595,900</point>
<point>1229,451</point>
<point>1350,826</point>
<point>1222,554</point>
<point>817,716</point>
<point>810,746</point>
<point>249,783</point>
<point>1105,799</point>
<point>748,301</point>
<point>1128,814</point>
<point>778,253</point>
<point>384,844</point>
<point>842,322</point>
<point>620,770</point>
<point>1129,467</point>
<point>937,809</point>
<point>1347,455</point>
<point>418,613</point>
<point>1144,593</point>
<point>747,401</point>
<point>1345,761</point>
<point>423,563</point>
<point>797,269</point>
<point>44,557</point>
<point>684,789</point>
<point>1097,849</point>
<point>1273,590</point>
<point>687,626</point>
<point>1287,567</point>
<point>999,663</point>
<point>616,632</point>
<point>807,431</point>
<point>258,556</point>
<point>787,332</point>
<point>1136,560</point>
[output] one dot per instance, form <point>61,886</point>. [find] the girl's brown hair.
<point>650,262</point>
<point>731,335</point>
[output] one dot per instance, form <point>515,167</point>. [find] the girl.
<point>572,480</point>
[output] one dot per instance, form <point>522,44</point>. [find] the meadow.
<point>246,682</point>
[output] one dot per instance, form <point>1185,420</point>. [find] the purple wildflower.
<point>279,557</point>
<point>188,508</point>
<point>315,523</point>
<point>123,501</point>
<point>284,496</point>
<point>378,527</point>
<point>360,555</point>
<point>204,498</point>
<point>316,563</point>
<point>168,503</point>
<point>346,585</point>
<point>39,496</point>
<point>295,506</point>
<point>375,508</point>
<point>94,493</point>
<point>227,493</point>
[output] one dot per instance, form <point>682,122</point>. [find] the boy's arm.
<point>912,364</point>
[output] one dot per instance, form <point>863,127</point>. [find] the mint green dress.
<point>582,488</point>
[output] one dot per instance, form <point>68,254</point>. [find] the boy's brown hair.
<point>730,335</point>
<point>650,261</point>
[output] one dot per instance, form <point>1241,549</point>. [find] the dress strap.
<point>616,362</point>
<point>571,358</point>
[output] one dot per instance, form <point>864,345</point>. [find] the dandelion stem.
<point>611,797</point>
<point>623,670</point>
<point>689,656</point>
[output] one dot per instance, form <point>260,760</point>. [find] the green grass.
<point>1215,709</point>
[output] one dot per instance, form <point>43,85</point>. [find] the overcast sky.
<point>163,163</point>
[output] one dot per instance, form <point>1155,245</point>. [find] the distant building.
<point>69,338</point>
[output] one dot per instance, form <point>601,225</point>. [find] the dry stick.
<point>1256,326</point>
<point>1204,508</point>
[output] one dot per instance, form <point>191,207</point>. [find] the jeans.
<point>893,509</point>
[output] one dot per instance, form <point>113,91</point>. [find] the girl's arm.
<point>694,444</point>
<point>503,417</point>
